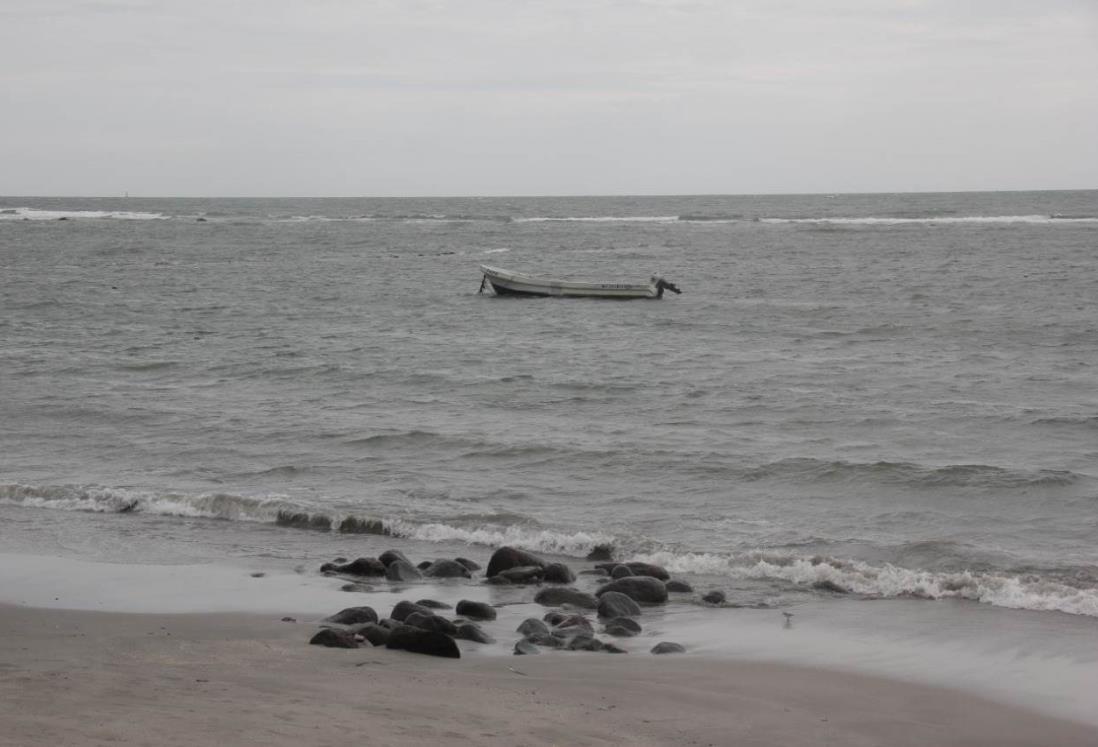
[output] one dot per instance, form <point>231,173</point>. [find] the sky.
<point>526,97</point>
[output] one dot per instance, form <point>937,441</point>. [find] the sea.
<point>875,411</point>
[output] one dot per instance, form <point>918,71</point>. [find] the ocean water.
<point>893,394</point>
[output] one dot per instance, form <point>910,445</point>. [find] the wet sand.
<point>96,678</point>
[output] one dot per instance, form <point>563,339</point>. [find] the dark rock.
<point>584,643</point>
<point>622,571</point>
<point>593,572</point>
<point>522,574</point>
<point>333,638</point>
<point>558,573</point>
<point>377,635</point>
<point>601,552</point>
<point>353,525</point>
<point>407,638</point>
<point>472,632</point>
<point>532,626</point>
<point>353,616</point>
<point>447,569</point>
<point>498,581</point>
<point>430,621</point>
<point>610,647</point>
<point>830,586</point>
<point>556,596</point>
<point>616,604</point>
<point>399,570</point>
<point>200,220</point>
<point>404,608</point>
<point>289,619</point>
<point>525,648</point>
<point>431,604</point>
<point>424,564</point>
<point>360,587</point>
<point>667,647</point>
<point>679,586</point>
<point>389,623</point>
<point>258,574</point>
<point>554,618</point>
<point>648,569</point>
<point>573,624</point>
<point>623,627</point>
<point>357,567</point>
<point>475,610</point>
<point>469,564</point>
<point>643,589</point>
<point>547,640</point>
<point>303,520</point>
<point>714,597</point>
<point>389,556</point>
<point>511,557</point>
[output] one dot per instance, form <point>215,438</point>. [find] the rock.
<point>554,618</point>
<point>548,641</point>
<point>511,557</point>
<point>353,525</point>
<point>532,626</point>
<point>333,638</point>
<point>424,564</point>
<point>447,569</point>
<point>359,587</point>
<point>353,616</point>
<point>827,585</point>
<point>407,638</point>
<point>469,564</point>
<point>559,595</point>
<point>389,556</point>
<point>475,610</point>
<point>377,635</point>
<point>498,581</point>
<point>430,621</point>
<point>601,552</point>
<point>714,597</point>
<point>389,623</point>
<point>573,624</point>
<point>400,570</point>
<point>557,573</point>
<point>612,648</point>
<point>357,567</point>
<point>615,604</point>
<point>667,647</point>
<point>643,589</point>
<point>525,648</point>
<point>593,572</point>
<point>472,632</point>
<point>623,627</point>
<point>522,574</point>
<point>404,608</point>
<point>303,520</point>
<point>622,571</point>
<point>584,642</point>
<point>647,569</point>
<point>679,586</point>
<point>431,604</point>
<point>289,619</point>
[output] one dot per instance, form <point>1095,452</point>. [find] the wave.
<point>26,213</point>
<point>935,220</point>
<point>1015,591</point>
<point>598,219</point>
<point>916,475</point>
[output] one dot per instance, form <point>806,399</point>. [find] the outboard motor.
<point>662,285</point>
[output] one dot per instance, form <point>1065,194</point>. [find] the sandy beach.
<point>96,678</point>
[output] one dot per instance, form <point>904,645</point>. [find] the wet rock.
<point>584,643</point>
<point>447,569</point>
<point>303,520</point>
<point>424,564</point>
<point>289,619</point>
<point>556,596</point>
<point>353,616</point>
<point>557,573</point>
<point>498,581</point>
<point>668,647</point>
<point>642,589</point>
<point>432,604</point>
<point>525,648</point>
<point>679,586</point>
<point>404,608</point>
<point>573,624</point>
<point>407,638</point>
<point>714,597</point>
<point>357,567</point>
<point>430,621</point>
<point>354,525</point>
<point>469,564</point>
<point>648,569</point>
<point>400,570</point>
<point>827,585</point>
<point>377,635</point>
<point>333,638</point>
<point>523,574</point>
<point>532,626</point>
<point>622,571</point>
<point>358,587</point>
<point>548,640</point>
<point>472,632</point>
<point>554,618</point>
<point>389,623</point>
<point>601,552</point>
<point>475,610</point>
<point>623,627</point>
<point>610,647</point>
<point>511,557</point>
<point>615,604</point>
<point>389,556</point>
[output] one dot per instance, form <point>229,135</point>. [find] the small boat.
<point>507,283</point>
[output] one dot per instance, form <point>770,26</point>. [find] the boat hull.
<point>506,283</point>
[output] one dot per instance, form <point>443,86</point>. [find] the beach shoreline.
<point>91,678</point>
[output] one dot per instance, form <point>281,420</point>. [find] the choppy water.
<point>895,393</point>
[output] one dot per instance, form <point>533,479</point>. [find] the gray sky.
<point>427,97</point>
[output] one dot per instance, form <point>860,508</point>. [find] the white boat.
<point>507,283</point>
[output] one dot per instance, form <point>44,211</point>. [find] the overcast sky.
<point>497,97</point>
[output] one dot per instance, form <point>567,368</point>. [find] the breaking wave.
<point>917,475</point>
<point>26,213</point>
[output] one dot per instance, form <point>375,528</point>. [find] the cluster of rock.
<point>625,588</point>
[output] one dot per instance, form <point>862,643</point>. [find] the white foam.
<point>944,220</point>
<point>537,540</point>
<point>26,213</point>
<point>600,219</point>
